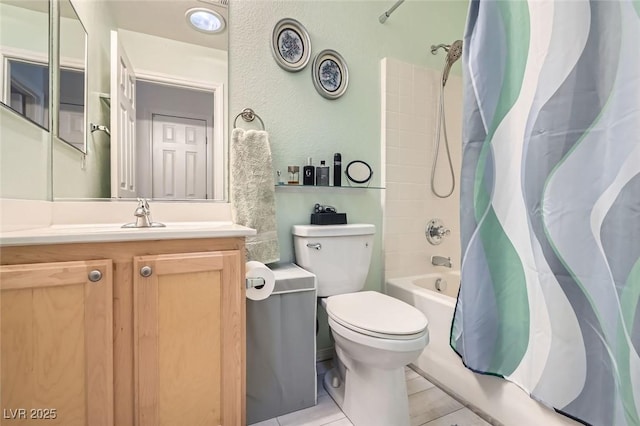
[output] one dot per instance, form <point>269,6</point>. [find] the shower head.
<point>453,54</point>
<point>455,51</point>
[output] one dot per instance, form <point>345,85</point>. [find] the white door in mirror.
<point>123,123</point>
<point>179,158</point>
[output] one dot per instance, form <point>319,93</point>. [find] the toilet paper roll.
<point>259,270</point>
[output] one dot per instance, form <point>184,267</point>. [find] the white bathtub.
<point>498,398</point>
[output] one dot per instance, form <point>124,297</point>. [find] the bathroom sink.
<point>117,227</point>
<point>152,225</point>
<point>110,232</point>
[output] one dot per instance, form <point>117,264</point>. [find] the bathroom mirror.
<point>72,78</point>
<point>157,88</point>
<point>24,59</point>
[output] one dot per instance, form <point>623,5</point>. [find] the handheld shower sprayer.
<point>454,51</point>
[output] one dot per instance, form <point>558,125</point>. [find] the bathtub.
<point>500,400</point>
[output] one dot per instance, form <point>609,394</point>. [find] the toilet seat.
<point>379,335</point>
<point>377,315</point>
<point>416,342</point>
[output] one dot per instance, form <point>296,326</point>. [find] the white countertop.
<point>111,232</point>
<point>30,222</point>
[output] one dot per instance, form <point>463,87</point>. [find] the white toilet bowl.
<point>375,337</point>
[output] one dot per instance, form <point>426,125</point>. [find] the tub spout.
<point>441,261</point>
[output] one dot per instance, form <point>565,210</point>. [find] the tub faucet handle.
<point>436,231</point>
<point>440,231</point>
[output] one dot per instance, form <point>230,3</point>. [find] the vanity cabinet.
<point>180,305</point>
<point>176,338</point>
<point>57,348</point>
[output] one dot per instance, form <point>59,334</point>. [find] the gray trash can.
<point>281,346</point>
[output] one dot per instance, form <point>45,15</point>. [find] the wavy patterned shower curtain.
<point>550,204</point>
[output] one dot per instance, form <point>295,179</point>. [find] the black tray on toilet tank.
<point>328,218</point>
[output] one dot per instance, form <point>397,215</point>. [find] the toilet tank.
<point>339,255</point>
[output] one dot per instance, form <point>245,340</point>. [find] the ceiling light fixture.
<point>205,20</point>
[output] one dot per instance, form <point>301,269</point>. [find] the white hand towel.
<point>253,198</point>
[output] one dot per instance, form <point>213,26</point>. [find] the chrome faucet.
<point>441,261</point>
<point>143,217</point>
<point>142,214</point>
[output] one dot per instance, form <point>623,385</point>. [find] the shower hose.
<point>441,124</point>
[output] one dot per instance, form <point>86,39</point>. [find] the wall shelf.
<point>313,188</point>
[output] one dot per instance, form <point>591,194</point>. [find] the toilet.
<point>375,335</point>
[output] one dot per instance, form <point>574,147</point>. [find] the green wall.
<point>301,123</point>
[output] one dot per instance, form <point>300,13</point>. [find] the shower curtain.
<point>550,203</point>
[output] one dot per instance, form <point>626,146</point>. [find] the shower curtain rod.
<point>388,13</point>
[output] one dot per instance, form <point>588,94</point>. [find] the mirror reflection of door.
<point>174,125</point>
<point>164,144</point>
<point>123,122</point>
<point>179,161</point>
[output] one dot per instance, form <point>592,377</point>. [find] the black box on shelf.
<point>328,218</point>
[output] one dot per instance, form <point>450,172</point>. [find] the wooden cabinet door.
<point>187,308</point>
<point>57,346</point>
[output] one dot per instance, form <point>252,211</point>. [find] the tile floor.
<point>428,405</point>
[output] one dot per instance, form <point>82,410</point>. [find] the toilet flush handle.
<point>316,246</point>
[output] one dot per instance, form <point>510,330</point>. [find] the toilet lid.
<point>376,312</point>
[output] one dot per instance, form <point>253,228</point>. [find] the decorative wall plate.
<point>290,45</point>
<point>358,172</point>
<point>330,74</point>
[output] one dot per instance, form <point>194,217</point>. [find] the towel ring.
<point>248,115</point>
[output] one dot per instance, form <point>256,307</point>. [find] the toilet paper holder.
<point>257,282</point>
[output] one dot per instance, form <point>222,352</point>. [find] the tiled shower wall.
<point>409,106</point>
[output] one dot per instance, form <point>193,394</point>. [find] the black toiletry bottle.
<point>322,174</point>
<point>337,169</point>
<point>308,173</point>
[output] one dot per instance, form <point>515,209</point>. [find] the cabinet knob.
<point>95,276</point>
<point>146,271</point>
